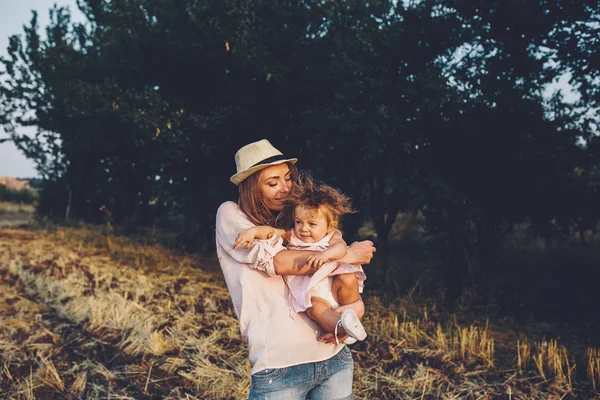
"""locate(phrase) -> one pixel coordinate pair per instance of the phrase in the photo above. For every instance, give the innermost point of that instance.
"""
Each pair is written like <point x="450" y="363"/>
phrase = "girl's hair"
<point x="318" y="196"/>
<point x="252" y="203"/>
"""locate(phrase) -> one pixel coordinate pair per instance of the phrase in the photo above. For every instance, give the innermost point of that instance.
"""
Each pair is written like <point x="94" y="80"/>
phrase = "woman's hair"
<point x="252" y="204"/>
<point x="317" y="196"/>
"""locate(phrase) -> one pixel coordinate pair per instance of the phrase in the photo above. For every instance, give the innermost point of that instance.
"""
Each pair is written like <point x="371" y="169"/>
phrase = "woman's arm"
<point x="230" y="221"/>
<point x="294" y="262"/>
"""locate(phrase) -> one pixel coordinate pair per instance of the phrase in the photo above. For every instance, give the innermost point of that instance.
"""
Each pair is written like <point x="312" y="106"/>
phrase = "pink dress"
<point x="303" y="287"/>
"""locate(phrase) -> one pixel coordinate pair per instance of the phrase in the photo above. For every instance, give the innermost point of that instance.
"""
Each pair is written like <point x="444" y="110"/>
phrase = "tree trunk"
<point x="352" y="222"/>
<point x="68" y="210"/>
<point x="383" y="218"/>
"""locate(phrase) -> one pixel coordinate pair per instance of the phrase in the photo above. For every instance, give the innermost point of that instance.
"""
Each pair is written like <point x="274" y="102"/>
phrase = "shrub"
<point x="27" y="196"/>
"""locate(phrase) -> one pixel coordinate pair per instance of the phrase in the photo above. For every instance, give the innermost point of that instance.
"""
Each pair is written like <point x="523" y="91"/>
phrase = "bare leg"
<point x="322" y="313"/>
<point x="345" y="289"/>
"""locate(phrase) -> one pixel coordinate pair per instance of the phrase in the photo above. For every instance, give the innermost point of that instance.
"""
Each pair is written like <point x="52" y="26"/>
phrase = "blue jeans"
<point x="323" y="380"/>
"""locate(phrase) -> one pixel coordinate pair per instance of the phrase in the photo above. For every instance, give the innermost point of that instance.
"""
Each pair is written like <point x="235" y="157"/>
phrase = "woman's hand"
<point x="360" y="252"/>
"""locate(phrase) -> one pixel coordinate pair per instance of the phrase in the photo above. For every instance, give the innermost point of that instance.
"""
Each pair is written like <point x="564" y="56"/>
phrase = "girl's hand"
<point x="316" y="261"/>
<point x="246" y="236"/>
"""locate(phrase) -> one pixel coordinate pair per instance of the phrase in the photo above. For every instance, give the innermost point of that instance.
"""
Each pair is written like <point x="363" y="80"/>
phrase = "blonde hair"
<point x="317" y="196"/>
<point x="251" y="201"/>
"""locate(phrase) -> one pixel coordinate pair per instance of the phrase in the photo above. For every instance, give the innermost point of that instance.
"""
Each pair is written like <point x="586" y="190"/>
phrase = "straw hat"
<point x="256" y="156"/>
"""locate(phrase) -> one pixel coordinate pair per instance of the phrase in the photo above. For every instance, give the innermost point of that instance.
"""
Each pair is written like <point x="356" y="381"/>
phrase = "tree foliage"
<point x="434" y="105"/>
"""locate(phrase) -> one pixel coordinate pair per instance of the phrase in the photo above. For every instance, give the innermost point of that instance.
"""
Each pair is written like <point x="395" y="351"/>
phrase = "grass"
<point x="86" y="317"/>
<point x="12" y="208"/>
<point x="14" y="211"/>
<point x="15" y="214"/>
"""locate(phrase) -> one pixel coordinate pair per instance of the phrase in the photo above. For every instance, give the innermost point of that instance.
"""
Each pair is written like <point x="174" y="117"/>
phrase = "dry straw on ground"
<point x="138" y="321"/>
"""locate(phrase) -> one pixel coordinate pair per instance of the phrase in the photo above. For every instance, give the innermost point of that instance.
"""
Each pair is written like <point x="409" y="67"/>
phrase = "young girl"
<point x="316" y="211"/>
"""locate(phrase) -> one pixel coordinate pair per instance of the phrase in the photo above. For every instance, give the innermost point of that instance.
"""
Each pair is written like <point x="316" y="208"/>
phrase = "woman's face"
<point x="275" y="183"/>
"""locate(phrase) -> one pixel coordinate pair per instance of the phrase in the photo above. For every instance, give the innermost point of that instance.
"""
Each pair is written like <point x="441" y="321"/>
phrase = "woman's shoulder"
<point x="230" y="213"/>
<point x="229" y="210"/>
<point x="228" y="206"/>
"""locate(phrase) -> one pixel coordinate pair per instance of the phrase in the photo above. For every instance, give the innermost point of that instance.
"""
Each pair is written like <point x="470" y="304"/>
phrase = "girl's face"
<point x="310" y="226"/>
<point x="275" y="183"/>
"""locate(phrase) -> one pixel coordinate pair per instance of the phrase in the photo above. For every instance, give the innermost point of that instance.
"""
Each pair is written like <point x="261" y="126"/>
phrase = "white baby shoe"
<point x="351" y="324"/>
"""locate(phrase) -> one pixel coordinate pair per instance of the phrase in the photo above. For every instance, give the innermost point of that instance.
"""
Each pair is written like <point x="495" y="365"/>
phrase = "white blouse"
<point x="277" y="337"/>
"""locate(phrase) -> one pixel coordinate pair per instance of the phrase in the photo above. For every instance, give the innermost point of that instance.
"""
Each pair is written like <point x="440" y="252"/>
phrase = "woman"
<point x="289" y="356"/>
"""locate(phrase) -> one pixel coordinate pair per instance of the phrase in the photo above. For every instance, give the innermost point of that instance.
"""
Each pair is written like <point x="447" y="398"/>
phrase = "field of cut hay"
<point x="83" y="315"/>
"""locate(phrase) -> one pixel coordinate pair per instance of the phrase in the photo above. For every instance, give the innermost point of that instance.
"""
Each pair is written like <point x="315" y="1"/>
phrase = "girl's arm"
<point x="256" y="232"/>
<point x="337" y="250"/>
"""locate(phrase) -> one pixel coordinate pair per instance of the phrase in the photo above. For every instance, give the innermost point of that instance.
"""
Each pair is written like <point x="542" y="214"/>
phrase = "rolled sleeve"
<point x="267" y="252"/>
<point x="231" y="221"/>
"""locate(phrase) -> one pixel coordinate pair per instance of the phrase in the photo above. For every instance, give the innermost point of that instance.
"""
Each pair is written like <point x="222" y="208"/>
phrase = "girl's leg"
<point x="345" y="289"/>
<point x="338" y="326"/>
<point x="322" y="313"/>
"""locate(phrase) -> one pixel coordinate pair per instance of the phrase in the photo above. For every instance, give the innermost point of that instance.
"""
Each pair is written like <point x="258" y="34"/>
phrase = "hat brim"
<point x="241" y="176"/>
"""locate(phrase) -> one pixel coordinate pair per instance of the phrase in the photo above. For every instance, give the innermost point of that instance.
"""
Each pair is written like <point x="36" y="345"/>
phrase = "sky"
<point x="15" y="13"/>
